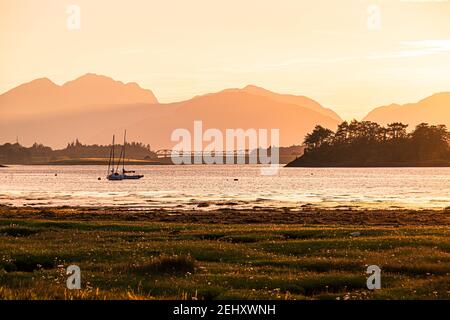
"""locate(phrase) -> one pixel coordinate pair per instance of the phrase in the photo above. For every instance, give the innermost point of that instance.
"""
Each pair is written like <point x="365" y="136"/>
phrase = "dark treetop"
<point x="367" y="144"/>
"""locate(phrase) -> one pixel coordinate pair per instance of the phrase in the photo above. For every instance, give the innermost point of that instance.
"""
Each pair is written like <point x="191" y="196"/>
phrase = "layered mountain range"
<point x="93" y="107"/>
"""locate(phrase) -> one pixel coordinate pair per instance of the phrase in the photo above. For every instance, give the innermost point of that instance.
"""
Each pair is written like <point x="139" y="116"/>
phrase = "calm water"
<point x="187" y="186"/>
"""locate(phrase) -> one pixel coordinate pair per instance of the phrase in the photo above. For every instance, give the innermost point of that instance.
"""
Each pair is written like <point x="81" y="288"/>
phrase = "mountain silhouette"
<point x="93" y="107"/>
<point x="293" y="99"/>
<point x="230" y="109"/>
<point x="91" y="91"/>
<point x="433" y="110"/>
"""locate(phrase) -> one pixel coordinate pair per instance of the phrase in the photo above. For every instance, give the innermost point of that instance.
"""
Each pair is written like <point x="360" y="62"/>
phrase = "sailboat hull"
<point x="115" y="177"/>
<point x="134" y="177"/>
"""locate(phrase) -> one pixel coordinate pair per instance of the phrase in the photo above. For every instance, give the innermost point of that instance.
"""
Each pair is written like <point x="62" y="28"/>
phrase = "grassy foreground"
<point x="166" y="260"/>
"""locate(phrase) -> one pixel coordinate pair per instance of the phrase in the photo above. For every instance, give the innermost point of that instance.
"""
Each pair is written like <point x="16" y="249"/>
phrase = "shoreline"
<point x="282" y="216"/>
<point x="286" y="165"/>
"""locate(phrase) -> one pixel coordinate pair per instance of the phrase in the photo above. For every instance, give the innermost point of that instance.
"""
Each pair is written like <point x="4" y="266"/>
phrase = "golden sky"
<point x="337" y="52"/>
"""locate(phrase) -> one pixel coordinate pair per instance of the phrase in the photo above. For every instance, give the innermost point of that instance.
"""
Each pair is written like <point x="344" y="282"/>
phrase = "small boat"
<point x="113" y="171"/>
<point x="115" y="176"/>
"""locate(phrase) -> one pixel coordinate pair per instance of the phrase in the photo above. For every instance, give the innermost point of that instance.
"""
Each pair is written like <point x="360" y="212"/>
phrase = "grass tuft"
<point x="16" y="231"/>
<point x="27" y="263"/>
<point x="167" y="264"/>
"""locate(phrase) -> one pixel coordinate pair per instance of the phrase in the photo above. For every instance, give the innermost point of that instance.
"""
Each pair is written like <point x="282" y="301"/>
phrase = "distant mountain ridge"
<point x="292" y="99"/>
<point x="42" y="96"/>
<point x="93" y="107"/>
<point x="434" y="109"/>
<point x="233" y="108"/>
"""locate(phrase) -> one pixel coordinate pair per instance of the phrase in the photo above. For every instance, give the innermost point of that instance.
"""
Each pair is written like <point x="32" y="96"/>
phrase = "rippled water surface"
<point x="240" y="186"/>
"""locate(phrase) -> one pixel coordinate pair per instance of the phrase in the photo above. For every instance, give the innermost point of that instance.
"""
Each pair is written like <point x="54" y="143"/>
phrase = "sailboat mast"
<point x="109" y="163"/>
<point x="113" y="153"/>
<point x="124" y="144"/>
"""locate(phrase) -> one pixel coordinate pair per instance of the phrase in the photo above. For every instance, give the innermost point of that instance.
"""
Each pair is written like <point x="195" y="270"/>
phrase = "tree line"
<point x="16" y="153"/>
<point x="366" y="143"/>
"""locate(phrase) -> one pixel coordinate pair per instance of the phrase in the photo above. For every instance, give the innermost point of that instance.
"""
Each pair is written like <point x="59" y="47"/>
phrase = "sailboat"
<point x="113" y="171"/>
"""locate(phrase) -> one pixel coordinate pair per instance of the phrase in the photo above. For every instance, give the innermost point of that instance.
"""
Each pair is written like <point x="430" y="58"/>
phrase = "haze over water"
<point x="184" y="187"/>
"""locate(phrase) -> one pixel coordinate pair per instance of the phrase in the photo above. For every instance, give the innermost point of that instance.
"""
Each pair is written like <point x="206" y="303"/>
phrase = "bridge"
<point x="246" y="156"/>
<point x="167" y="153"/>
<point x="202" y="157"/>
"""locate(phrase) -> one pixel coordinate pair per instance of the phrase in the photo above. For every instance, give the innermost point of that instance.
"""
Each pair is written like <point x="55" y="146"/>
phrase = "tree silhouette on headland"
<point x="366" y="143"/>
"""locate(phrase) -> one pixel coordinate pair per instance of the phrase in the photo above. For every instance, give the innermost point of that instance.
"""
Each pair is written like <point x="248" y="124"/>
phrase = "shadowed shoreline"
<point x="260" y="215"/>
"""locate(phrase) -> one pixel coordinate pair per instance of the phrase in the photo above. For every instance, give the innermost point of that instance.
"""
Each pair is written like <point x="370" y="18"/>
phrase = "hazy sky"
<point x="337" y="52"/>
